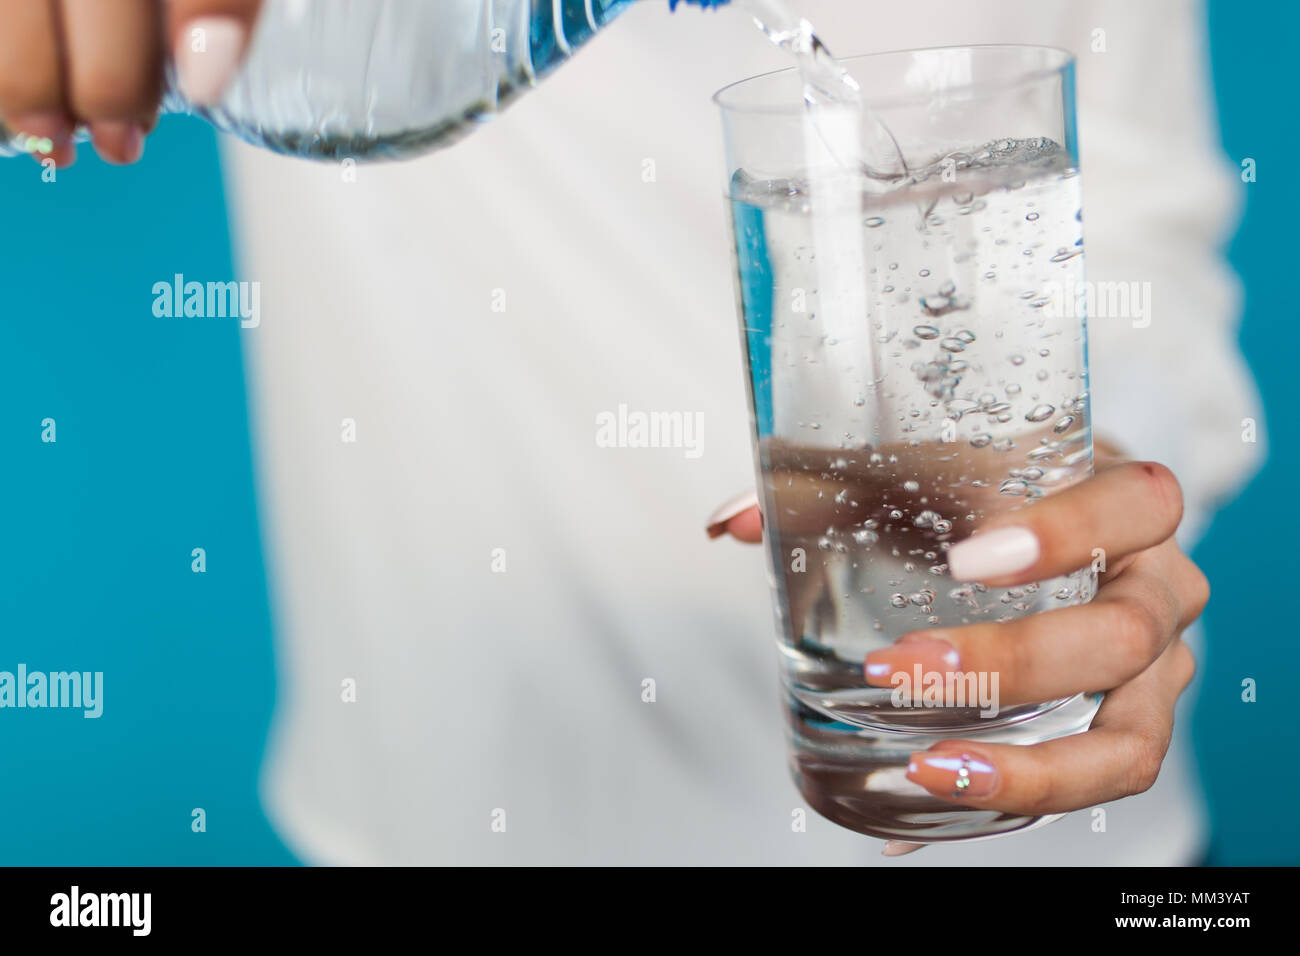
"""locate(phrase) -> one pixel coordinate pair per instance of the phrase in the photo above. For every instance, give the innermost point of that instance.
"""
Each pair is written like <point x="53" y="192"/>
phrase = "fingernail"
<point x="900" y="848"/>
<point x="932" y="653"/>
<point x="118" y="141"/>
<point x="207" y="53"/>
<point x="993" y="554"/>
<point x="717" y="523"/>
<point x="952" y="774"/>
<point x="41" y="134"/>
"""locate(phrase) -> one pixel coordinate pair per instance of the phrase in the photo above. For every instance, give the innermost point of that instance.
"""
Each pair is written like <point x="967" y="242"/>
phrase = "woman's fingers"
<point x="738" y="517"/>
<point x="1120" y="755"/>
<point x="1118" y="511"/>
<point x="1054" y="654"/>
<point x="208" y="39"/>
<point x="31" y="86"/>
<point x="113" y="69"/>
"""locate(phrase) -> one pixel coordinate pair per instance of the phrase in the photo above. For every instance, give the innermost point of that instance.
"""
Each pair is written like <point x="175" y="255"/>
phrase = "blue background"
<point x="153" y="459"/>
<point x="1249" y="753"/>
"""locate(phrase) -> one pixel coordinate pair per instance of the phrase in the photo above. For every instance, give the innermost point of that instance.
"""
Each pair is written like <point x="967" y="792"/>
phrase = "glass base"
<point x="857" y="777"/>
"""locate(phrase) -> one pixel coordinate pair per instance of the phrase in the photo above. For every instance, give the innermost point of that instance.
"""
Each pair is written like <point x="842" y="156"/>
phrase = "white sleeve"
<point x="1161" y="201"/>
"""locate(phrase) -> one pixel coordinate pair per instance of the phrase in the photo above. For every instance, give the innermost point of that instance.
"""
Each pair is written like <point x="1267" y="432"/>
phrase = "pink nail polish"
<point x="118" y="141"/>
<point x="993" y="554"/>
<point x="717" y="522"/>
<point x="207" y="55"/>
<point x="900" y="848"/>
<point x="41" y="134"/>
<point x="133" y="142"/>
<point x="932" y="653"/>
<point x="952" y="774"/>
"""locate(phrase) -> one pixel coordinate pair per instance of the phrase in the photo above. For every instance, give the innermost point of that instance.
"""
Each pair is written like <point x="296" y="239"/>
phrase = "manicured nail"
<point x="900" y="848"/>
<point x="118" y="141"/>
<point x="952" y="774"/>
<point x="39" y="133"/>
<point x="993" y="554"/>
<point x="934" y="654"/>
<point x="207" y="54"/>
<point x="717" y="523"/>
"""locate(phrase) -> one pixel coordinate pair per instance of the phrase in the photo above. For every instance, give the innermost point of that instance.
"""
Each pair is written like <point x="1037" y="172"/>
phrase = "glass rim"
<point x="1067" y="59"/>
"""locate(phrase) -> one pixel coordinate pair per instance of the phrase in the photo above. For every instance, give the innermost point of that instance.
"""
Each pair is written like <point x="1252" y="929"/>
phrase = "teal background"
<point x="153" y="459"/>
<point x="1250" y="753"/>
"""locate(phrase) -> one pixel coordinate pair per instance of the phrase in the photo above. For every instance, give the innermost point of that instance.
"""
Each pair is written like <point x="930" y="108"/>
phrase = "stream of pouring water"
<point x="825" y="84"/>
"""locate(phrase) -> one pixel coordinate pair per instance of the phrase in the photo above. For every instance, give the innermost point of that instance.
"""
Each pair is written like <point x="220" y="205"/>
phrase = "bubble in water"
<point x="1040" y="413"/>
<point x="865" y="537"/>
<point x="1042" y="375"/>
<point x="875" y="222"/>
<point x="1017" y="360"/>
<point x="1063" y="254"/>
<point x="942" y="526"/>
<point x="1013" y="389"/>
<point x="1032" y="217"/>
<point x="912" y="486"/>
<point x="1063" y="425"/>
<point x="953" y="345"/>
<point x="923" y="273"/>
<point x="964" y="335"/>
<point x="980" y="440"/>
<point x="948" y="288"/>
<point x="937" y="305"/>
<point x="898" y="600"/>
<point x="925" y="332"/>
<point x="926" y="519"/>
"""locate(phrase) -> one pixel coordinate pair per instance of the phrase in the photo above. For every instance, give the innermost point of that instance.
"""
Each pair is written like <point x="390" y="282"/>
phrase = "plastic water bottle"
<point x="385" y="79"/>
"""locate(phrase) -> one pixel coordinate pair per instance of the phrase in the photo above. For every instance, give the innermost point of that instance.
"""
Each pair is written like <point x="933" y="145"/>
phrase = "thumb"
<point x="208" y="39"/>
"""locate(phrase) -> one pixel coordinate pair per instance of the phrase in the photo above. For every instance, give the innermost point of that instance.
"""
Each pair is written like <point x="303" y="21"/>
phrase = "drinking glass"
<point x="916" y="365"/>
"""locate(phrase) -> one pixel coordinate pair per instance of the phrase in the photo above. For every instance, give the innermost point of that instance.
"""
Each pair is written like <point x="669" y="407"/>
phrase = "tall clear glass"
<point x="916" y="365"/>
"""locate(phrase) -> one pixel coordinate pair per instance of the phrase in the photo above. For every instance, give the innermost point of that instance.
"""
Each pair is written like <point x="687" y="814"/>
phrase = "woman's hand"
<point x="65" y="63"/>
<point x="1127" y="641"/>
